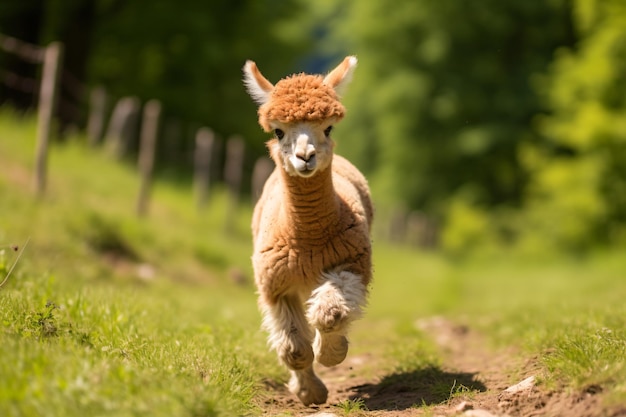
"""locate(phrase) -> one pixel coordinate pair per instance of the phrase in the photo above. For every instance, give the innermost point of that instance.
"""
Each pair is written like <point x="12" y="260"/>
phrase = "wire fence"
<point x="129" y="122"/>
<point x="72" y="92"/>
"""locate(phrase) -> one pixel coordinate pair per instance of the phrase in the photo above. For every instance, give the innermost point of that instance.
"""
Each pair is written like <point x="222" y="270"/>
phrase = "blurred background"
<point x="479" y="127"/>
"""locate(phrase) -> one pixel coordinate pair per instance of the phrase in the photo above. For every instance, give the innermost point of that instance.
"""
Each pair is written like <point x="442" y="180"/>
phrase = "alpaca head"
<point x="301" y="111"/>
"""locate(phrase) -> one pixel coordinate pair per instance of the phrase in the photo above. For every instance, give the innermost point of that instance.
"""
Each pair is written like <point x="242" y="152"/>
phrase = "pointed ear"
<point x="257" y="85"/>
<point x="341" y="76"/>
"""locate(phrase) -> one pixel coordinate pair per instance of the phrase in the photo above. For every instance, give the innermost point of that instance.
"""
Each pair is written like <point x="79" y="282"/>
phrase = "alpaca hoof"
<point x="330" y="349"/>
<point x="330" y="319"/>
<point x="310" y="391"/>
<point x="298" y="358"/>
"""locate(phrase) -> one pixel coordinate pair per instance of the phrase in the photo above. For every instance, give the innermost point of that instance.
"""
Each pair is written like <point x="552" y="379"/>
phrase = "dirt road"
<point x="475" y="381"/>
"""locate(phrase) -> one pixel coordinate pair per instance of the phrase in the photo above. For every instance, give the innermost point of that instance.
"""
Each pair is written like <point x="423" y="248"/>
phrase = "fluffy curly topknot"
<point x="301" y="97"/>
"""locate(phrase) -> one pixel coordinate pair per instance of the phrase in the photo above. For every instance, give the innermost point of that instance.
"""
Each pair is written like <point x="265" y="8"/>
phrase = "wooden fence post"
<point x="263" y="168"/>
<point x="233" y="171"/>
<point x="235" y="149"/>
<point x="97" y="110"/>
<point x="149" y="130"/>
<point x="47" y="100"/>
<point x="122" y="126"/>
<point x="205" y="141"/>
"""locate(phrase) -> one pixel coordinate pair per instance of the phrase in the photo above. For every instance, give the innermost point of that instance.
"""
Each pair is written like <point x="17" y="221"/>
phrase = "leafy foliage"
<point x="448" y="96"/>
<point x="502" y="123"/>
<point x="580" y="181"/>
<point x="191" y="62"/>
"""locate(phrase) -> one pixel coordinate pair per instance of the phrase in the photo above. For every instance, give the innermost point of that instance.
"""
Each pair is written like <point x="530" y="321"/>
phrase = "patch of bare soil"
<point x="485" y="384"/>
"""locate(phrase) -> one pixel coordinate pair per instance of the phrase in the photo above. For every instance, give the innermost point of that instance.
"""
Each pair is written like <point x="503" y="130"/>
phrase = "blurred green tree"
<point x="442" y="99"/>
<point x="188" y="54"/>
<point x="579" y="192"/>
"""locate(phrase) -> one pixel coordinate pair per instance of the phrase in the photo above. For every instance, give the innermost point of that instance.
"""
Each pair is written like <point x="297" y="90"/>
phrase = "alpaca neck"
<point x="311" y="203"/>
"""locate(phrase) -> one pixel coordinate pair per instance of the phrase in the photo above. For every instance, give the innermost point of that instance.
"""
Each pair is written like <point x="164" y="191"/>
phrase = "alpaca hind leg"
<point x="289" y="333"/>
<point x="308" y="387"/>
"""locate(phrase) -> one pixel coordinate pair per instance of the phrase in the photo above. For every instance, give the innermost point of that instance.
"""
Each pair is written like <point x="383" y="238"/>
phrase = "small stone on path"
<point x="463" y="406"/>
<point x="525" y="385"/>
<point x="512" y="394"/>
<point x="478" y="413"/>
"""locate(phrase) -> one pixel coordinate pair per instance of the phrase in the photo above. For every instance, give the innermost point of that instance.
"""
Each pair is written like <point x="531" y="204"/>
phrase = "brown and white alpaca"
<point x="312" y="250"/>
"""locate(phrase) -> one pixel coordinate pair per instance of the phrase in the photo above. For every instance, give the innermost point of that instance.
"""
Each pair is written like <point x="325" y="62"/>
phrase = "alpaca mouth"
<point x="304" y="168"/>
<point x="306" y="171"/>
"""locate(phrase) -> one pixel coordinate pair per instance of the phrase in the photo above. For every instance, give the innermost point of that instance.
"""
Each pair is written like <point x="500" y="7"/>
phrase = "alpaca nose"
<point x="304" y="149"/>
<point x="306" y="155"/>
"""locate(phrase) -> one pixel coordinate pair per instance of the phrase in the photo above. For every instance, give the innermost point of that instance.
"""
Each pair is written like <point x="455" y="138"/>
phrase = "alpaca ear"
<point x="257" y="85"/>
<point x="341" y="76"/>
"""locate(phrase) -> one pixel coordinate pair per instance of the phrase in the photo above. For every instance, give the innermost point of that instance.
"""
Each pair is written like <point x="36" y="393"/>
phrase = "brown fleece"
<point x="300" y="97"/>
<point x="303" y="227"/>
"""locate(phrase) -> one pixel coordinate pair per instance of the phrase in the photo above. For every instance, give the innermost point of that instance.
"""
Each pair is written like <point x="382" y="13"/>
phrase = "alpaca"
<point x="310" y="227"/>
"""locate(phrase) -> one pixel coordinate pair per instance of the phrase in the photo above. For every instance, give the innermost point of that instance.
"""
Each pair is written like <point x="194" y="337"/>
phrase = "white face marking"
<point x="304" y="147"/>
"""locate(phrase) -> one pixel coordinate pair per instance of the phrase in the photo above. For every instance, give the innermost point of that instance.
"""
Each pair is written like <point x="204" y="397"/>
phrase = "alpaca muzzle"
<point x="303" y="159"/>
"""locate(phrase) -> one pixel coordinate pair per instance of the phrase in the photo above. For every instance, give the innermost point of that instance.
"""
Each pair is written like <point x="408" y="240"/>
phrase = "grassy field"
<point x="109" y="314"/>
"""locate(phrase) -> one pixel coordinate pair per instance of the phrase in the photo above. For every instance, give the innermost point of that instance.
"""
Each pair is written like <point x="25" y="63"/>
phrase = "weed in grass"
<point x="459" y="390"/>
<point x="4" y="271"/>
<point x="42" y="323"/>
<point x="352" y="406"/>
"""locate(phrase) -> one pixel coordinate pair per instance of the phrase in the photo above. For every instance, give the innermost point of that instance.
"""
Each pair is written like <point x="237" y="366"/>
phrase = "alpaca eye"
<point x="327" y="130"/>
<point x="279" y="134"/>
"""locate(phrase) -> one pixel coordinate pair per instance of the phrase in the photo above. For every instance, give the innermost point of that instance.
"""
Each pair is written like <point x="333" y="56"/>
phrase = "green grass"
<point x="568" y="313"/>
<point x="352" y="407"/>
<point x="97" y="351"/>
<point x="110" y="314"/>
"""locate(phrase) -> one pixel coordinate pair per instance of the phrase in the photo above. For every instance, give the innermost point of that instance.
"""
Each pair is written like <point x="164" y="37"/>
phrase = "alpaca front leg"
<point x="308" y="387"/>
<point x="337" y="302"/>
<point x="289" y="332"/>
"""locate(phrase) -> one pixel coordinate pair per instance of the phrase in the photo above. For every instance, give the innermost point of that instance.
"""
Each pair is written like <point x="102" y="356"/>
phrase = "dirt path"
<point x="475" y="381"/>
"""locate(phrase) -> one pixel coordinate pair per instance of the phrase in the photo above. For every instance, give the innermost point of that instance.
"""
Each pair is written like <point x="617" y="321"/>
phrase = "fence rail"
<point x="125" y="126"/>
<point x="24" y="50"/>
